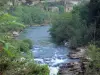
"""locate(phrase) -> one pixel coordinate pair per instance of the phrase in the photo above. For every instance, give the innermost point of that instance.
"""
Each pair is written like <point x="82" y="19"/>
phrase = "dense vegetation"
<point x="38" y="14"/>
<point x="71" y="27"/>
<point x="93" y="67"/>
<point x="9" y="23"/>
<point x="30" y="15"/>
<point x="81" y="27"/>
<point x="16" y="57"/>
<point x="77" y="27"/>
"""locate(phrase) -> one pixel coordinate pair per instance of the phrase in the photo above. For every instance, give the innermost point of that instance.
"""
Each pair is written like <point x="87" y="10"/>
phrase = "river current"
<point x="46" y="52"/>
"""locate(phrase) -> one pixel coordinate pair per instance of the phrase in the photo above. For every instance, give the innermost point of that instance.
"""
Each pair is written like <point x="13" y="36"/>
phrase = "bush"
<point x="14" y="62"/>
<point x="93" y="66"/>
<point x="29" y="42"/>
<point x="94" y="54"/>
<point x="39" y="69"/>
<point x="24" y="47"/>
<point x="18" y="67"/>
<point x="9" y="23"/>
<point x="19" y="64"/>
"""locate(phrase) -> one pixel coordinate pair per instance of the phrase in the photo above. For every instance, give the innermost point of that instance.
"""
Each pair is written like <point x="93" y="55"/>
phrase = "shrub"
<point x="93" y="66"/>
<point x="24" y="47"/>
<point x="9" y="23"/>
<point x="19" y="64"/>
<point x="29" y="42"/>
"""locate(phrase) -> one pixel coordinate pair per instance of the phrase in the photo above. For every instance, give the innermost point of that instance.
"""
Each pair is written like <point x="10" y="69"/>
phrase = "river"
<point x="46" y="52"/>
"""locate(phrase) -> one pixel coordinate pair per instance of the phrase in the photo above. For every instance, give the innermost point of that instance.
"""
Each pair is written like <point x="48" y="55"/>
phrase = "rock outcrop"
<point x="79" y="53"/>
<point x="77" y="67"/>
<point x="15" y="34"/>
<point x="72" y="68"/>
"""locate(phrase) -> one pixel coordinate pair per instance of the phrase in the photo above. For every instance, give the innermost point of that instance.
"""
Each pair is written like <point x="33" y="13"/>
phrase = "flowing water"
<point x="46" y="52"/>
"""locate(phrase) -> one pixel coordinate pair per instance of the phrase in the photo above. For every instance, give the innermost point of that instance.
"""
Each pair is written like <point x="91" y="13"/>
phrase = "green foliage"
<point x="61" y="8"/>
<point x="30" y="14"/>
<point x="94" y="54"/>
<point x="71" y="27"/>
<point x="39" y="69"/>
<point x="94" y="65"/>
<point x="15" y="55"/>
<point x="13" y="47"/>
<point x="94" y="19"/>
<point x="15" y="58"/>
<point x="9" y="23"/>
<point x="81" y="35"/>
<point x="6" y="46"/>
<point x="24" y="47"/>
<point x="60" y="26"/>
<point x="21" y="66"/>
<point x="29" y="42"/>
<point x="3" y="4"/>
<point x="82" y="27"/>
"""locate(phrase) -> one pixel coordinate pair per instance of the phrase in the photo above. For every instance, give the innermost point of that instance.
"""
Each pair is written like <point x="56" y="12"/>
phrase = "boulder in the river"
<point x="54" y="70"/>
<point x="15" y="33"/>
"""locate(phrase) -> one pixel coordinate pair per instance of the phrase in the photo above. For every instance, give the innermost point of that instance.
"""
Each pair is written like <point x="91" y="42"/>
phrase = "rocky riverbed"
<point x="77" y="67"/>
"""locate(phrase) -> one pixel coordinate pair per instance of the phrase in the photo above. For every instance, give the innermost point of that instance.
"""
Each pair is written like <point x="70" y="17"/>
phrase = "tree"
<point x="35" y="16"/>
<point x="94" y="18"/>
<point x="60" y="26"/>
<point x="71" y="27"/>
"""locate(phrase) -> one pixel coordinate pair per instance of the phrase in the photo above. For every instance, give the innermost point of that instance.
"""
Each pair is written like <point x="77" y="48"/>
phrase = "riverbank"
<point x="77" y="67"/>
<point x="57" y="55"/>
<point x="44" y="50"/>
